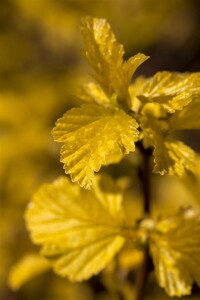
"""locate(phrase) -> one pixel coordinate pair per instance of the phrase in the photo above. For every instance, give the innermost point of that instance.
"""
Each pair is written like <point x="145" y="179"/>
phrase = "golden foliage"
<point x="80" y="231"/>
<point x="105" y="55"/>
<point x="27" y="268"/>
<point x="175" y="248"/>
<point x="172" y="91"/>
<point x="170" y="156"/>
<point x="94" y="136"/>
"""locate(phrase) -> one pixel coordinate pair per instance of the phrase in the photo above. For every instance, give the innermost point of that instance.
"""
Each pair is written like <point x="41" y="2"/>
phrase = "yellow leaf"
<point x="172" y="91"/>
<point x="93" y="136"/>
<point x="170" y="156"/>
<point x="188" y="118"/>
<point x="27" y="268"/>
<point x="123" y="75"/>
<point x="192" y="183"/>
<point x="136" y="89"/>
<point x="91" y="92"/>
<point x="105" y="55"/>
<point x="175" y="247"/>
<point x="102" y="51"/>
<point x="80" y="231"/>
<point x="130" y="258"/>
<point x="173" y="157"/>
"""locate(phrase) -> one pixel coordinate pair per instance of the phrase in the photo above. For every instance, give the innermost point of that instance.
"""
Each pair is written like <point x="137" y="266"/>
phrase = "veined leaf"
<point x="102" y="51"/>
<point x="188" y="118"/>
<point x="93" y="136"/>
<point x="123" y="75"/>
<point x="29" y="267"/>
<point x="170" y="156"/>
<point x="172" y="91"/>
<point x="105" y="55"/>
<point x="175" y="248"/>
<point x="91" y="92"/>
<point x="80" y="231"/>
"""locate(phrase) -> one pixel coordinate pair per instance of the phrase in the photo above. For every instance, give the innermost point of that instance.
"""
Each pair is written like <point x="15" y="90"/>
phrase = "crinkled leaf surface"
<point x="105" y="55"/>
<point x="122" y="77"/>
<point x="170" y="156"/>
<point x="79" y="230"/>
<point x="188" y="118"/>
<point x="93" y="136"/>
<point x="171" y="90"/>
<point x="102" y="51"/>
<point x="175" y="248"/>
<point x="27" y="268"/>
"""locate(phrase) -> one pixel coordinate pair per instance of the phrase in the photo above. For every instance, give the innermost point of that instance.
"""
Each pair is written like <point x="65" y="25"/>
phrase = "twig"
<point x="144" y="175"/>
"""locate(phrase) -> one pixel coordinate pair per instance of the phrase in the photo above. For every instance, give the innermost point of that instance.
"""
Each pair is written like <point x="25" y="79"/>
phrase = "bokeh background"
<point x="40" y="67"/>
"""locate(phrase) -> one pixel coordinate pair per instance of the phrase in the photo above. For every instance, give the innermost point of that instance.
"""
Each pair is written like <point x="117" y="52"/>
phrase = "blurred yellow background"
<point x="40" y="66"/>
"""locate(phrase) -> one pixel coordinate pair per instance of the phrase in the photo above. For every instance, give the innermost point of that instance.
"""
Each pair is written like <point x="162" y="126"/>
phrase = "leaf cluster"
<point x="82" y="227"/>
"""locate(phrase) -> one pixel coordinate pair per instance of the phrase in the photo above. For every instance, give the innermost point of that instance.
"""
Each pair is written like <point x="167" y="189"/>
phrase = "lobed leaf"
<point x="170" y="156"/>
<point x="122" y="77"/>
<point x="27" y="268"/>
<point x="93" y="136"/>
<point x="102" y="51"/>
<point x="171" y="90"/>
<point x="105" y="55"/>
<point x="79" y="231"/>
<point x="175" y="248"/>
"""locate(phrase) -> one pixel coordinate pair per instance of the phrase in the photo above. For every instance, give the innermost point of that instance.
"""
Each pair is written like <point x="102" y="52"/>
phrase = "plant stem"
<point x="142" y="276"/>
<point x="145" y="181"/>
<point x="144" y="175"/>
